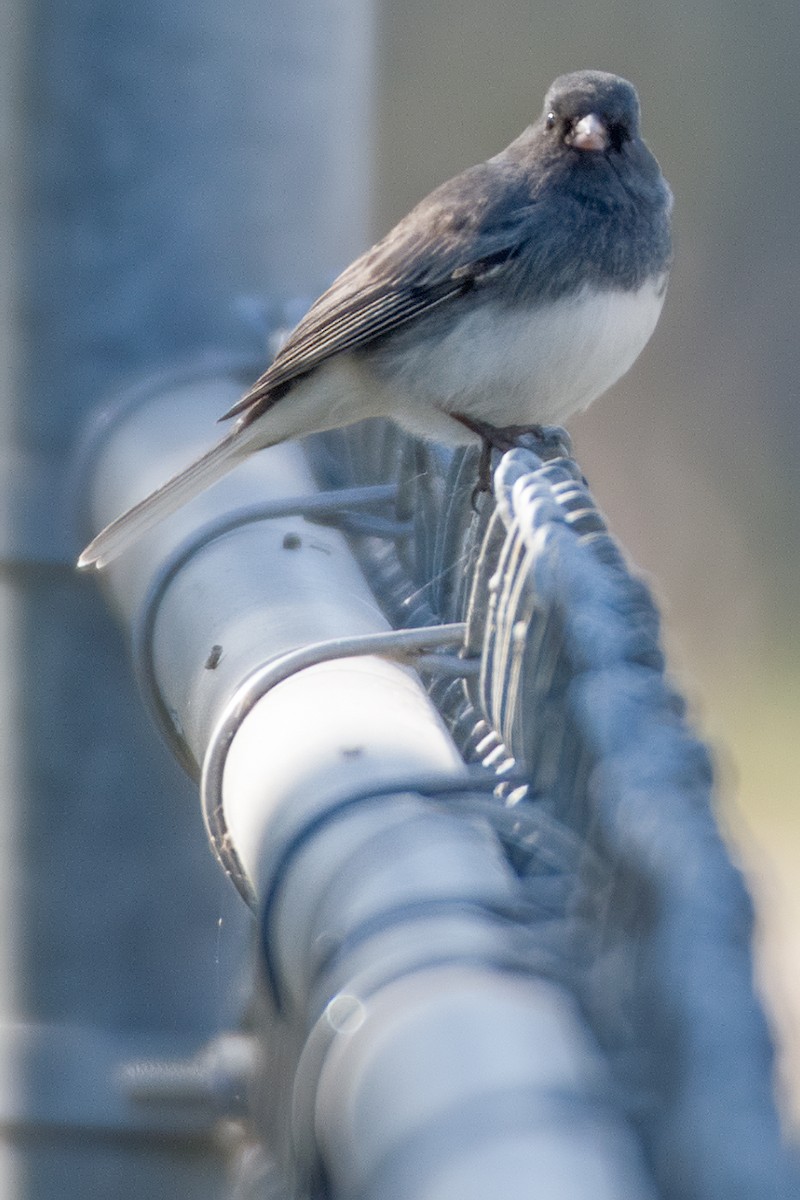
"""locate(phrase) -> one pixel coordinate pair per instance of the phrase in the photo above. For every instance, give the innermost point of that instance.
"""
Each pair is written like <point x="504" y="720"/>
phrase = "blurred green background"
<point x="693" y="456"/>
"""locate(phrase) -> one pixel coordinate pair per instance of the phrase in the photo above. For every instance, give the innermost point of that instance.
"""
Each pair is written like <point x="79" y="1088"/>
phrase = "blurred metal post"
<point x="160" y="166"/>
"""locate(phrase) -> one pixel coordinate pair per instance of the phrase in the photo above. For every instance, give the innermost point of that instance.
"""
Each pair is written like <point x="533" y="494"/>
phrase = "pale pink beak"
<point x="589" y="134"/>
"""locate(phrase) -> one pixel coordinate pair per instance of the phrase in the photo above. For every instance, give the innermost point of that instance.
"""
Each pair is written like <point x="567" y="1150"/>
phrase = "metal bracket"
<point x="469" y="783"/>
<point x="405" y="645"/>
<point x="315" y="506"/>
<point x="80" y="1078"/>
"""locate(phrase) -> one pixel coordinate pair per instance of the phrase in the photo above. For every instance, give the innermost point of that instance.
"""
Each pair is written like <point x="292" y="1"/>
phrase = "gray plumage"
<point x="513" y="294"/>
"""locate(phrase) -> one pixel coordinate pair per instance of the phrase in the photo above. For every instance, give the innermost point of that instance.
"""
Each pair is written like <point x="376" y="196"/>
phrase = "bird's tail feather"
<point x="165" y="500"/>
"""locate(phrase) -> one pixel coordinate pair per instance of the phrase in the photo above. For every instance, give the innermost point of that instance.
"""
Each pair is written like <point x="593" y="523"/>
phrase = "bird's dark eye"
<point x="550" y="120"/>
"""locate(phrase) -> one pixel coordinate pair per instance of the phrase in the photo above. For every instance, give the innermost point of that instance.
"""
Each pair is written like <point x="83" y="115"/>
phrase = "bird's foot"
<point x="491" y="436"/>
<point x="548" y="441"/>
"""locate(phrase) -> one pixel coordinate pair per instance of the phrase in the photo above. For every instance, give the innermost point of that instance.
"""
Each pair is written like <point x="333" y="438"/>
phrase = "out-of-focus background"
<point x="694" y="456"/>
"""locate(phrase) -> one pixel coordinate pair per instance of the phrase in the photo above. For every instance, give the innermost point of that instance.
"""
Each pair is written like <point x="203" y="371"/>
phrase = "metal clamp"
<point x="405" y="645"/>
<point x="472" y="781"/>
<point x="320" y="504"/>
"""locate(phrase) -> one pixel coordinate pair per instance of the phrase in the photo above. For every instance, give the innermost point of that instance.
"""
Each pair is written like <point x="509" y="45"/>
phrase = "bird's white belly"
<point x="508" y="367"/>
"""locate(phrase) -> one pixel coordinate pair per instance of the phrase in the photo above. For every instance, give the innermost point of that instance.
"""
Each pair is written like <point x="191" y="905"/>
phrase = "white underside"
<point x="497" y="365"/>
<point x="509" y="368"/>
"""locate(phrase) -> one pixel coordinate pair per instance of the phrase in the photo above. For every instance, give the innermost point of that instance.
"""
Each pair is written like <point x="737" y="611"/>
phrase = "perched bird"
<point x="512" y="296"/>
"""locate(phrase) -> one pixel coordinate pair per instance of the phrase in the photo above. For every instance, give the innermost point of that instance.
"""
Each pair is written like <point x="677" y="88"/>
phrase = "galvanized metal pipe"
<point x="388" y="920"/>
<point x="215" y="593"/>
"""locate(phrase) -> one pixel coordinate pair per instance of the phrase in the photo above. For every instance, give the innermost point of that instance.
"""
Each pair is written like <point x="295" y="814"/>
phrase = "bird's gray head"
<point x="591" y="111"/>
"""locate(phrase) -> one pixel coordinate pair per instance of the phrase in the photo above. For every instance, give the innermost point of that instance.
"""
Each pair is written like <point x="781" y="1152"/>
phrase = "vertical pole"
<point x="11" y="785"/>
<point x="161" y="164"/>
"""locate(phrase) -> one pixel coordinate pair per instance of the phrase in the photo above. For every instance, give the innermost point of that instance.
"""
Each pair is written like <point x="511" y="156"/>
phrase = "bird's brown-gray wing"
<point x="446" y="246"/>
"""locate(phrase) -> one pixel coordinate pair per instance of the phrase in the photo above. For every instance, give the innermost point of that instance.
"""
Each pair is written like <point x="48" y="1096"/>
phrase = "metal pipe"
<point x="527" y="1111"/>
<point x="389" y="921"/>
<point x="239" y="577"/>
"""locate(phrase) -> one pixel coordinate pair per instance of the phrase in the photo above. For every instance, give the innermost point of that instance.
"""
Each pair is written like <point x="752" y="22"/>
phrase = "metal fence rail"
<point x="503" y="944"/>
<point x="612" y="831"/>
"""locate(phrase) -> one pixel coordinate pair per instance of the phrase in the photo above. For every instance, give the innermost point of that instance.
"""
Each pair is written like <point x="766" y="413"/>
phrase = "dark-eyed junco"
<point x="512" y="296"/>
